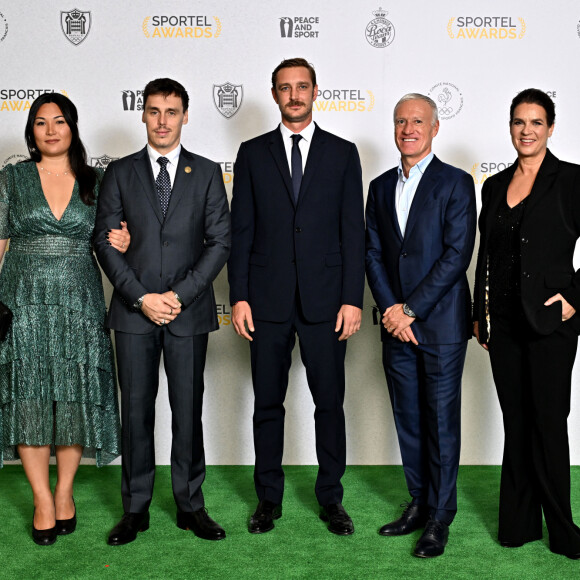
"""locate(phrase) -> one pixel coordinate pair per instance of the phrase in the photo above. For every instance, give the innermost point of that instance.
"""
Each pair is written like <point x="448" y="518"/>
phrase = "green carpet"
<point x="299" y="546"/>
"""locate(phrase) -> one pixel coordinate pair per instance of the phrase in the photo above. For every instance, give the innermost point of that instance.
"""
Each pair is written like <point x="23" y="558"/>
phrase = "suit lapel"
<point x="390" y="194"/>
<point x="142" y="167"/>
<point x="183" y="180"/>
<point x="543" y="182"/>
<point x="315" y="153"/>
<point x="424" y="190"/>
<point x="279" y="153"/>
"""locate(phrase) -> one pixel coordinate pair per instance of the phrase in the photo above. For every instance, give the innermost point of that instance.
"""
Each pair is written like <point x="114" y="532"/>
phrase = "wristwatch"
<point x="408" y="311"/>
<point x="139" y="303"/>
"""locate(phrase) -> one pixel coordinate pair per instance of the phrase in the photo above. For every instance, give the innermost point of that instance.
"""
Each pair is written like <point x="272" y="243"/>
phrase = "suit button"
<point x="404" y="255"/>
<point x="526" y="274"/>
<point x="298" y="230"/>
<point x="293" y="261"/>
<point x="165" y="244"/>
<point x="524" y="240"/>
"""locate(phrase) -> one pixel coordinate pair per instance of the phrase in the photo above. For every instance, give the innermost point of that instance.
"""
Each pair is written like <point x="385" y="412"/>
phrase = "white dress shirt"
<point x="172" y="156"/>
<point x="406" y="189"/>
<point x="303" y="144"/>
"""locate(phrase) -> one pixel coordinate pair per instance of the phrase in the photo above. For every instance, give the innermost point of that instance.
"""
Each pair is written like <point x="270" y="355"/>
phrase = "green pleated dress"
<point x="57" y="381"/>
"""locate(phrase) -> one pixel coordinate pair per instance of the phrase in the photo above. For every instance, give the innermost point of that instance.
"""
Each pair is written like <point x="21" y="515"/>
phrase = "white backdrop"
<point x="471" y="57"/>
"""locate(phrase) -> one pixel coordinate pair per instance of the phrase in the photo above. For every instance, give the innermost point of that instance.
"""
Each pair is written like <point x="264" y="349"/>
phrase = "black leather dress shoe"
<point x="65" y="527"/>
<point x="433" y="540"/>
<point x="200" y="524"/>
<point x="339" y="521"/>
<point x="263" y="518"/>
<point x="414" y="517"/>
<point x="43" y="537"/>
<point x="511" y="544"/>
<point x="126" y="530"/>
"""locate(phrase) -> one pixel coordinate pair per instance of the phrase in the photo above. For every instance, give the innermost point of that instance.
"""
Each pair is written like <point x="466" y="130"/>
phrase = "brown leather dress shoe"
<point x="200" y="524"/>
<point x="262" y="520"/>
<point x="414" y="516"/>
<point x="339" y="521"/>
<point x="126" y="530"/>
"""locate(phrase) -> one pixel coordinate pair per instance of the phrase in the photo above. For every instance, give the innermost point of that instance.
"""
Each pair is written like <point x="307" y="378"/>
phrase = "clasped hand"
<point x="398" y="324"/>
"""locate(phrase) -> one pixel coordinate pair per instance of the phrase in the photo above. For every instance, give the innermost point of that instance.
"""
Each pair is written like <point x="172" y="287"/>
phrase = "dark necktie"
<point x="163" y="183"/>
<point x="296" y="166"/>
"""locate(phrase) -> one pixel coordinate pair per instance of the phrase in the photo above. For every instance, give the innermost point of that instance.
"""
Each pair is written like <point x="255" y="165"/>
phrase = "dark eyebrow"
<point x="44" y="119"/>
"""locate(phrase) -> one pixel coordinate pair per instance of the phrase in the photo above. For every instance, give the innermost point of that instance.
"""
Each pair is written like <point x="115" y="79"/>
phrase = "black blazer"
<point x="549" y="230"/>
<point x="183" y="252"/>
<point x="315" y="247"/>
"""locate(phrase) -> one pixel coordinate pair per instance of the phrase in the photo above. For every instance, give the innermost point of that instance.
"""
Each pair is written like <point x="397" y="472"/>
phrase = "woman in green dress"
<point x="57" y="382"/>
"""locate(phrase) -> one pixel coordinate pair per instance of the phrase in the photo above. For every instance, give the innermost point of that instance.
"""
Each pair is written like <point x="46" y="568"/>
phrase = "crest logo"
<point x="3" y="27"/>
<point x="103" y="161"/>
<point x="228" y="98"/>
<point x="380" y="32"/>
<point x="76" y="25"/>
<point x="448" y="98"/>
<point x="13" y="160"/>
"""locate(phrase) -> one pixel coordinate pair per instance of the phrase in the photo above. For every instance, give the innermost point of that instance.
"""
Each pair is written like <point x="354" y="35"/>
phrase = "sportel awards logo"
<point x="227" y="98"/>
<point x="227" y="171"/>
<point x="344" y="100"/>
<point x="224" y="314"/>
<point x="481" y="171"/>
<point x="3" y="27"/>
<point x="175" y="26"/>
<point x="448" y="98"/>
<point x="132" y="100"/>
<point x="13" y="160"/>
<point x="380" y="32"/>
<point x="19" y="100"/>
<point x="299" y="26"/>
<point x="103" y="161"/>
<point x="486" y="28"/>
<point x="75" y="25"/>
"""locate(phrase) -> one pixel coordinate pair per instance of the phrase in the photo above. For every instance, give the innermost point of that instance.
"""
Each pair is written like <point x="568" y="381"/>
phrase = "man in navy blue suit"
<point x="421" y="219"/>
<point x="297" y="268"/>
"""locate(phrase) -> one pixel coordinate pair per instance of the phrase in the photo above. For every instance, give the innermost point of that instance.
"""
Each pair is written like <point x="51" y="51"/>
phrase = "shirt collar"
<point x="306" y="133"/>
<point x="172" y="156"/>
<point x="421" y="166"/>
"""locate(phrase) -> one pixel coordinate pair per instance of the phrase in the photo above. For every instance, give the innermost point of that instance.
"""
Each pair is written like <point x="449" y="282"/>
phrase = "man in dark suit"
<point x="420" y="234"/>
<point x="163" y="301"/>
<point x="297" y="267"/>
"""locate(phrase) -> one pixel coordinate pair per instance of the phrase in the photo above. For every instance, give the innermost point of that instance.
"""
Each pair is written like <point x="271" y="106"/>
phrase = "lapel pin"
<point x="187" y="169"/>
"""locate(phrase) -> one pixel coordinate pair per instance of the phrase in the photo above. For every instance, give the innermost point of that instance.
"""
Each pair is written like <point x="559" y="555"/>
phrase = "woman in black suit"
<point x="525" y="301"/>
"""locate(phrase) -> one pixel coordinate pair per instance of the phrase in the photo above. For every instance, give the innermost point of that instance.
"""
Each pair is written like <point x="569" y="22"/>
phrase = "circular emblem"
<point x="3" y="27"/>
<point x="448" y="98"/>
<point x="380" y="32"/>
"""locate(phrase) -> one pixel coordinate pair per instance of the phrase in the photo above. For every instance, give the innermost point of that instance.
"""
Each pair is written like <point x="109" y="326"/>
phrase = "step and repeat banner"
<point x="470" y="57"/>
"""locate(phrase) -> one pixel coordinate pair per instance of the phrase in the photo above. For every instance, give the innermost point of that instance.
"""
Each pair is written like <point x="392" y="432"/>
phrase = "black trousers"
<point x="138" y="357"/>
<point x="533" y="375"/>
<point x="323" y="356"/>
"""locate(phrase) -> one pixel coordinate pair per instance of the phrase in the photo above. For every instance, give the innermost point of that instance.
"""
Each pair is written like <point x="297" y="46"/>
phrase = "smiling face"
<point x="529" y="130"/>
<point x="164" y="118"/>
<point x="414" y="131"/>
<point x="294" y="95"/>
<point x="51" y="132"/>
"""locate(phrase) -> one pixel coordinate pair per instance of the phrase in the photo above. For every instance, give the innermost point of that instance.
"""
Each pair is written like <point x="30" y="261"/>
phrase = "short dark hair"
<point x="166" y="87"/>
<point x="291" y="63"/>
<point x="77" y="154"/>
<point x="535" y="97"/>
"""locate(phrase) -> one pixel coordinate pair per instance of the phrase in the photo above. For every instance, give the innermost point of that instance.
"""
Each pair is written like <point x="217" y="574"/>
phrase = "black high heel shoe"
<point x="43" y="537"/>
<point x="65" y="527"/>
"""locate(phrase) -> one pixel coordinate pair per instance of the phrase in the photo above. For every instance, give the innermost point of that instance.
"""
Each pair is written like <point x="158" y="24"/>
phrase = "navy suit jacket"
<point x="427" y="267"/>
<point x="315" y="248"/>
<point x="183" y="252"/>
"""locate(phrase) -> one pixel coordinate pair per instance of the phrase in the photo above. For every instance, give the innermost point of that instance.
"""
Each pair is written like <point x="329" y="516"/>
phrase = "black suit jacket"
<point x="549" y="230"/>
<point x="183" y="252"/>
<point x="315" y="247"/>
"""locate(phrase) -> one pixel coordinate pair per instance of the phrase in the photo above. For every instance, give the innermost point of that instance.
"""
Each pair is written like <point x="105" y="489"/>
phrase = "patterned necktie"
<point x="296" y="166"/>
<point x="163" y="183"/>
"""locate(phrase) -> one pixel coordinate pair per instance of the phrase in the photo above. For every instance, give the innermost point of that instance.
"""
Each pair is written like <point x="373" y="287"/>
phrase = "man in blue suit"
<point x="297" y="268"/>
<point x="421" y="219"/>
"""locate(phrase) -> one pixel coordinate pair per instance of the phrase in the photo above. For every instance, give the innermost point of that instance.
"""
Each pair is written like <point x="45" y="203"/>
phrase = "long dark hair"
<point x="535" y="97"/>
<point x="77" y="155"/>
